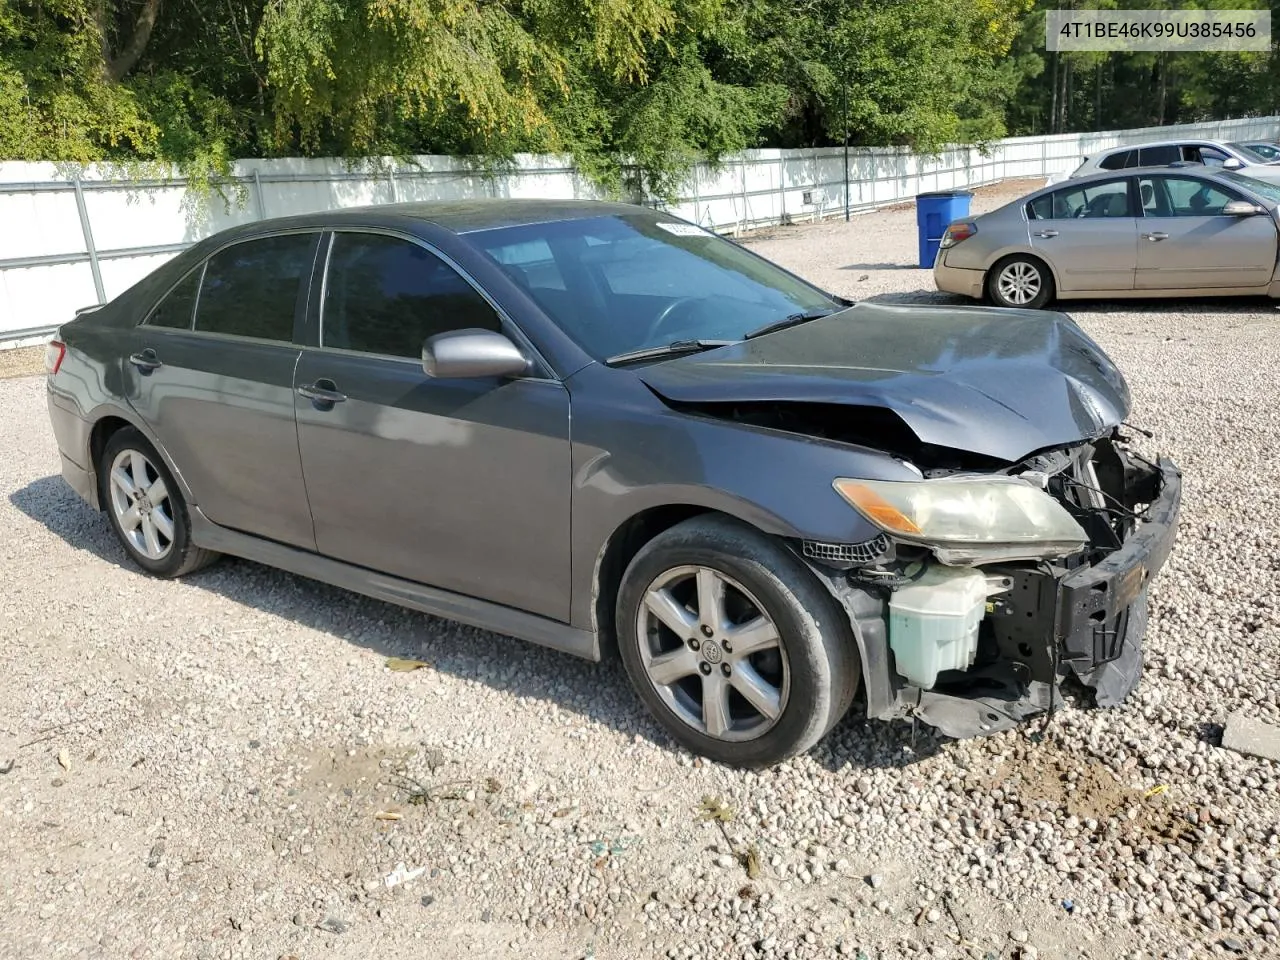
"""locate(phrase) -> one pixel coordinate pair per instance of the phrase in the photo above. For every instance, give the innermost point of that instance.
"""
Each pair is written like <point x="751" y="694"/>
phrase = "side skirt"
<point x="439" y="603"/>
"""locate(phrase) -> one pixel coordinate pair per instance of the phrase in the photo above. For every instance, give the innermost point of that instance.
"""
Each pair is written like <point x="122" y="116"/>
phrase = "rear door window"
<point x="387" y="296"/>
<point x="1159" y="156"/>
<point x="178" y="306"/>
<point x="1097" y="200"/>
<point x="250" y="289"/>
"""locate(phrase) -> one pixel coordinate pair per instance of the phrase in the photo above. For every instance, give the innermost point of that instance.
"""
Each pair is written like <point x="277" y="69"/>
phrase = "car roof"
<point x="464" y="216"/>
<point x="1195" y="170"/>
<point x="1164" y="143"/>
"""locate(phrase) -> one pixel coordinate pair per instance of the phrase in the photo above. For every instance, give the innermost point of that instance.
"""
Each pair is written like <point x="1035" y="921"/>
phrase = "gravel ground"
<point x="225" y="766"/>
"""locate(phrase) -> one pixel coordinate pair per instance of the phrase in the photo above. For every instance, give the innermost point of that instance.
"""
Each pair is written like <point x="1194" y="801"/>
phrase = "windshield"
<point x="1257" y="152"/>
<point x="1268" y="191"/>
<point x="622" y="283"/>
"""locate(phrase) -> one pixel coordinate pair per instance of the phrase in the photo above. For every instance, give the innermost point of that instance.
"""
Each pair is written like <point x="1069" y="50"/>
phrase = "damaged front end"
<point x="986" y="590"/>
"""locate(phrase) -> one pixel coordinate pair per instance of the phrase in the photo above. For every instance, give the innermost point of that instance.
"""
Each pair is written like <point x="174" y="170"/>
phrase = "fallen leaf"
<point x="386" y="815"/>
<point x="404" y="665"/>
<point x="64" y="759"/>
<point x="713" y="808"/>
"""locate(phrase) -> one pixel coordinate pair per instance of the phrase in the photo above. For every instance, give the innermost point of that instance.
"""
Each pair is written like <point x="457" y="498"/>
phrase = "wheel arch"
<point x="1031" y="254"/>
<point x="106" y="422"/>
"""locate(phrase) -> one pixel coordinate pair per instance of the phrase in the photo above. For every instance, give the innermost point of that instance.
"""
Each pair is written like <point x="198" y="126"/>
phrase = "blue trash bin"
<point x="934" y="212"/>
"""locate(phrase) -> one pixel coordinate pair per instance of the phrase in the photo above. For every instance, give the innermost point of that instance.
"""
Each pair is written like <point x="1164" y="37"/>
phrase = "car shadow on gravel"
<point x="598" y="692"/>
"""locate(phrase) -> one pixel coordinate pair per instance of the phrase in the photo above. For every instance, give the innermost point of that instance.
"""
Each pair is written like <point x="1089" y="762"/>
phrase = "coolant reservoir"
<point x="933" y="622"/>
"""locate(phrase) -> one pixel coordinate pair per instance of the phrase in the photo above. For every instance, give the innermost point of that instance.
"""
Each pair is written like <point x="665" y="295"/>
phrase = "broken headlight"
<point x="967" y="520"/>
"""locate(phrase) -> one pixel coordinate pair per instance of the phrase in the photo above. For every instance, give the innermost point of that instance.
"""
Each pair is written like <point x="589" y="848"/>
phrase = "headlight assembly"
<point x="968" y="520"/>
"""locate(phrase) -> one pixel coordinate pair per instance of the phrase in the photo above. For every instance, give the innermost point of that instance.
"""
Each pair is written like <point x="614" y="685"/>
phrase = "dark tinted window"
<point x="1109" y="199"/>
<point x="1159" y="156"/>
<point x="1118" y="161"/>
<point x="387" y="295"/>
<point x="250" y="289"/>
<point x="176" y="308"/>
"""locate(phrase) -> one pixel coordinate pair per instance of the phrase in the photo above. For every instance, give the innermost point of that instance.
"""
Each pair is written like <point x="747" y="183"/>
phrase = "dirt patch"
<point x="22" y="362"/>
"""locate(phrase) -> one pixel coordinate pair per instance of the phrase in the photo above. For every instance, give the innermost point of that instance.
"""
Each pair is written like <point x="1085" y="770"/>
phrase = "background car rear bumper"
<point x="967" y="283"/>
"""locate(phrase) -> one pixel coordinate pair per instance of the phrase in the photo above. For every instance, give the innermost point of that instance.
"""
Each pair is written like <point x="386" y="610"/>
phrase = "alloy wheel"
<point x="712" y="653"/>
<point x="1019" y="283"/>
<point x="141" y="504"/>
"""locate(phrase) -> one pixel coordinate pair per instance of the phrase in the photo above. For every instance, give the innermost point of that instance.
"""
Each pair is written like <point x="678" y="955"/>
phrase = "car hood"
<point x="998" y="383"/>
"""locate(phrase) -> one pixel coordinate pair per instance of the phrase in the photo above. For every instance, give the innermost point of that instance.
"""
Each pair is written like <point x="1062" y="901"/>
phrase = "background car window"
<point x="1120" y="160"/>
<point x="1211" y="156"/>
<point x="386" y="295"/>
<point x="1110" y="199"/>
<point x="1182" y="197"/>
<point x="176" y="308"/>
<point x="250" y="289"/>
<point x="1159" y="156"/>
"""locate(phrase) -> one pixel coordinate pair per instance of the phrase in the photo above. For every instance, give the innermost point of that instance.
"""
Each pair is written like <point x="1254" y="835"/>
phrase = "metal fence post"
<point x="258" y="200"/>
<point x="88" y="243"/>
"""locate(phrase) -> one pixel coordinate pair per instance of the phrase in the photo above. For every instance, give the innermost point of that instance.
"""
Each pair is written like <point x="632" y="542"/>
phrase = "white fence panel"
<point x="67" y="243"/>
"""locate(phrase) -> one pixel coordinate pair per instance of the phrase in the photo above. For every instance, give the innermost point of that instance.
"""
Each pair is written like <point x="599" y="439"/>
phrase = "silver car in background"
<point x="1162" y="153"/>
<point x="1147" y="232"/>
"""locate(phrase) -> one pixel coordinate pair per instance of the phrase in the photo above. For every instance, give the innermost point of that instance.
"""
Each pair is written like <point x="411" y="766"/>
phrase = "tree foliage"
<point x="634" y="90"/>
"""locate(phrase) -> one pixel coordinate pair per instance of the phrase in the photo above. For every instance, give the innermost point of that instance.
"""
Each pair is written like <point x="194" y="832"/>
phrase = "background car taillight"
<point x="53" y="354"/>
<point x="957" y="232"/>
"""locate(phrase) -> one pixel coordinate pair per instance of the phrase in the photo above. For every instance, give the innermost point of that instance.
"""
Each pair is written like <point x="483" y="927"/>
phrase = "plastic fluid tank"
<point x="933" y="622"/>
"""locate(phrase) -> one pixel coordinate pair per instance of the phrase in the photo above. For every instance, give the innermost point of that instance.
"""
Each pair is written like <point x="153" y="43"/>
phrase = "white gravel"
<point x="230" y="741"/>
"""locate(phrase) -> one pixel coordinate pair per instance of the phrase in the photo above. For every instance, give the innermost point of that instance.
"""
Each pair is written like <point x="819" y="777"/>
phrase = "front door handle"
<point x="1155" y="237"/>
<point x="146" y="361"/>
<point x="323" y="393"/>
<point x="1047" y="234"/>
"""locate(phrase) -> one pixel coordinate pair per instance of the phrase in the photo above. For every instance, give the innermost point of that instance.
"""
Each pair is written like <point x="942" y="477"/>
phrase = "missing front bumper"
<point x="1089" y="623"/>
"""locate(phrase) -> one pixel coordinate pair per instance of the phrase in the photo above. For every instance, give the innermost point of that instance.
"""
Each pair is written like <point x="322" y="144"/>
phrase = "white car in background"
<point x="1211" y="153"/>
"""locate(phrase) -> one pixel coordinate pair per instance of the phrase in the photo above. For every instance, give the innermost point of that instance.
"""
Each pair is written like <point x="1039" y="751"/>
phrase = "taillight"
<point x="53" y="354"/>
<point x="957" y="232"/>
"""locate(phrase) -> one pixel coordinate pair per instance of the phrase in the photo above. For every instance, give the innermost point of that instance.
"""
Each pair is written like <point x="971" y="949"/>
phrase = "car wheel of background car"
<point x="733" y="644"/>
<point x="1020" y="281"/>
<point x="146" y="507"/>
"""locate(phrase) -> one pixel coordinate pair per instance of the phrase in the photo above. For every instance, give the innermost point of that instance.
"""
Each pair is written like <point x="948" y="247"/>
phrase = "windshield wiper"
<point x="794" y="320"/>
<point x="668" y="349"/>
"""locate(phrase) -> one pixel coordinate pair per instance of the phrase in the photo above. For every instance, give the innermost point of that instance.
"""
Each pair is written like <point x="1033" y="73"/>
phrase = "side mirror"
<point x="1233" y="163"/>
<point x="462" y="354"/>
<point x="1240" y="208"/>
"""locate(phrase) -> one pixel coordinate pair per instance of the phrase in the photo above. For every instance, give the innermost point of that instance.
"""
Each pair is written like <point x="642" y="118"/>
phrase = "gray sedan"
<point x="597" y="427"/>
<point x="1155" y="232"/>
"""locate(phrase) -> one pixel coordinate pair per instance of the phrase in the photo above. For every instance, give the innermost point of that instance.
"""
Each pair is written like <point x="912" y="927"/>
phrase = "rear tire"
<point x="146" y="507"/>
<point x="1020" y="281"/>
<point x="733" y="645"/>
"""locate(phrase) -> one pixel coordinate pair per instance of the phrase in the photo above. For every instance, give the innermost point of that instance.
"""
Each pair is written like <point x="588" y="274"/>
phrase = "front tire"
<point x="146" y="507"/>
<point x="1020" y="281"/>
<point x="733" y="645"/>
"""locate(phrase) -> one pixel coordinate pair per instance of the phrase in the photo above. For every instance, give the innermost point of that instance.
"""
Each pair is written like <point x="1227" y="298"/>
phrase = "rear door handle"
<point x="323" y="393"/>
<point x="1047" y="234"/>
<point x="146" y="361"/>
<point x="1155" y="237"/>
